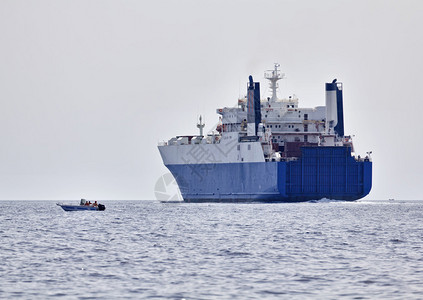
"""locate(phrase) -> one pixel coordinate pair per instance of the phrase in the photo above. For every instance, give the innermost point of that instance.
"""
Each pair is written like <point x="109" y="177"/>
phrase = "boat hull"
<point x="78" y="207"/>
<point x="320" y="172"/>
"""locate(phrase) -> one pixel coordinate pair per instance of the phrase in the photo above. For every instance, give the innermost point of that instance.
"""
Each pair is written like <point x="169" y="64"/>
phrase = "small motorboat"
<point x="83" y="205"/>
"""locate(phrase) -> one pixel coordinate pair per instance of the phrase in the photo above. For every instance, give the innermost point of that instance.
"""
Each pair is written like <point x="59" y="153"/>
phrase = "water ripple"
<point x="361" y="250"/>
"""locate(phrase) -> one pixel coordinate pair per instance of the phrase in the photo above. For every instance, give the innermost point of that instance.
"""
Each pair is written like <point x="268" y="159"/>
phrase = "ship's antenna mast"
<point x="274" y="75"/>
<point x="201" y="125"/>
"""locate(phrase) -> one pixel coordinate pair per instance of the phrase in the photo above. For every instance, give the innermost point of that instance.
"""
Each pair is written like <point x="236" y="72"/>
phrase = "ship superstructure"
<point x="270" y="150"/>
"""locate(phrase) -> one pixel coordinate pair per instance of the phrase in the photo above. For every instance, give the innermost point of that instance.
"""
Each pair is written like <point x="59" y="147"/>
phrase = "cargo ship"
<point x="270" y="150"/>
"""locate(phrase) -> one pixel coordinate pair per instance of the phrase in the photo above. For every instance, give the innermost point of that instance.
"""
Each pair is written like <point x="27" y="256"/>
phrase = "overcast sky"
<point x="88" y="88"/>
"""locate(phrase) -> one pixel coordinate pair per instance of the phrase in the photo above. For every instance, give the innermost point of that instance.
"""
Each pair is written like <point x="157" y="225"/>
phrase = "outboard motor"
<point x="101" y="207"/>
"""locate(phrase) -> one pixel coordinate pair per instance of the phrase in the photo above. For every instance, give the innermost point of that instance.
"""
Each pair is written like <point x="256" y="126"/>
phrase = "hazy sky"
<point x="88" y="88"/>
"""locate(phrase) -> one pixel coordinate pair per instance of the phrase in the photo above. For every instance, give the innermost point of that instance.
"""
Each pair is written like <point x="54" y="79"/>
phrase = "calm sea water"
<point x="148" y="249"/>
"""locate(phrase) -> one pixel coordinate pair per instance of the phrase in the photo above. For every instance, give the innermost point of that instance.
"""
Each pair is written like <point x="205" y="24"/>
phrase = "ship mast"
<point x="201" y="125"/>
<point x="273" y="76"/>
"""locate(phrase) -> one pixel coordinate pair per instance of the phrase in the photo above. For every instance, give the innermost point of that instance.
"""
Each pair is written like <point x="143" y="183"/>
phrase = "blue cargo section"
<point x="229" y="182"/>
<point x="328" y="172"/>
<point x="321" y="172"/>
<point x="367" y="177"/>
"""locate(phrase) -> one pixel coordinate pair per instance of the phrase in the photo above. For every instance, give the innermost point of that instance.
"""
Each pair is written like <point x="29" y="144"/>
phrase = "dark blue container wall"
<point x="328" y="172"/>
<point x="367" y="177"/>
<point x="322" y="172"/>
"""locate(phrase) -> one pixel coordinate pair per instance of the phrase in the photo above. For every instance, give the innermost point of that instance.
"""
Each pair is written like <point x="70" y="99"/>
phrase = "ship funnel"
<point x="334" y="108"/>
<point x="253" y="107"/>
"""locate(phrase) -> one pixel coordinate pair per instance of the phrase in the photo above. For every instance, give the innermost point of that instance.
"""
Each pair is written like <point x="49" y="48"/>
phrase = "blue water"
<point x="147" y="249"/>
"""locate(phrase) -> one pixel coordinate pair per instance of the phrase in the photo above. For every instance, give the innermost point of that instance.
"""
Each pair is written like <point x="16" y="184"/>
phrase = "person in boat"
<point x="95" y="203"/>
